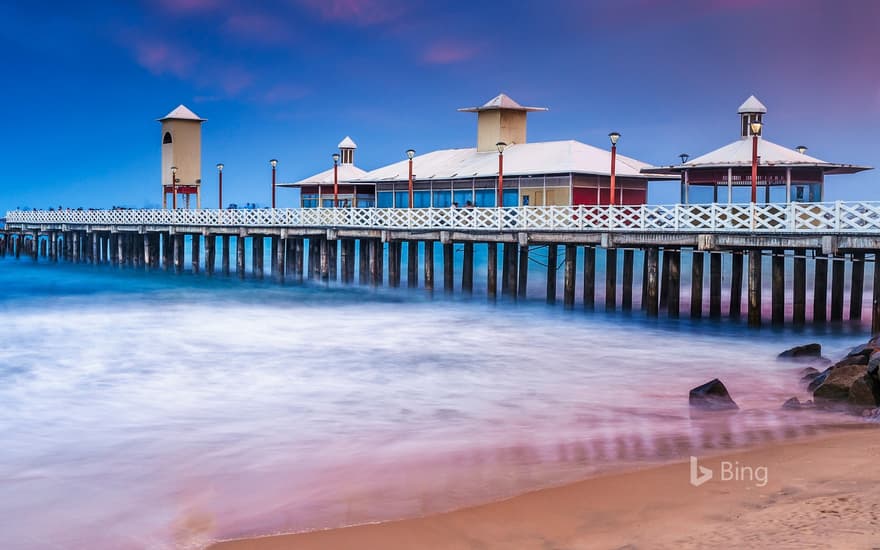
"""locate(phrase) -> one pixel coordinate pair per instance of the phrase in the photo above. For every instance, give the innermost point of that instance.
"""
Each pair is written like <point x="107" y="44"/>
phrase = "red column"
<point x="613" y="175"/>
<point x="273" y="187"/>
<point x="220" y="191"/>
<point x="410" y="184"/>
<point x="335" y="184"/>
<point x="500" y="179"/>
<point x="755" y="168"/>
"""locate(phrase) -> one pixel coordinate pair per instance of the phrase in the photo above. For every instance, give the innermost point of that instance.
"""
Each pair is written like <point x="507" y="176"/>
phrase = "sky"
<point x="84" y="82"/>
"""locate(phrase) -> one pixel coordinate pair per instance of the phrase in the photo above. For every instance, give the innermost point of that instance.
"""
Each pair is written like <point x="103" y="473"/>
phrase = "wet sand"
<point x="820" y="493"/>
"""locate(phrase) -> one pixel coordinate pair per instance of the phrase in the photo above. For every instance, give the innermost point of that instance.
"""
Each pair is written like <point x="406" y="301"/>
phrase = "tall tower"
<point x="751" y="110"/>
<point x="182" y="149"/>
<point x="500" y="119"/>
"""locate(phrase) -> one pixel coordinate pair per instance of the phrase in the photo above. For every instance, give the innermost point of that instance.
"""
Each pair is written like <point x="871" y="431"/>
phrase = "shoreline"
<point x="826" y="479"/>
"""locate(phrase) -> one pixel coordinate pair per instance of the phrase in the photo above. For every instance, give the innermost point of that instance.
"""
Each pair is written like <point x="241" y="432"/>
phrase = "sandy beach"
<point x="819" y="493"/>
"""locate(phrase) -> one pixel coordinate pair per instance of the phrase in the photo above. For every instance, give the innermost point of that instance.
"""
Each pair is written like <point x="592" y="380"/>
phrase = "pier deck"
<point x="329" y="241"/>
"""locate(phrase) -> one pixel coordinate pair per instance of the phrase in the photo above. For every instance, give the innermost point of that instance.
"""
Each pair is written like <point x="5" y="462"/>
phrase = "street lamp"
<point x="684" y="157"/>
<point x="801" y="149"/>
<point x="335" y="180"/>
<point x="501" y="147"/>
<point x="613" y="136"/>
<point x="410" y="153"/>
<point x="274" y="163"/>
<point x="174" y="187"/>
<point x="220" y="185"/>
<point x="755" y="127"/>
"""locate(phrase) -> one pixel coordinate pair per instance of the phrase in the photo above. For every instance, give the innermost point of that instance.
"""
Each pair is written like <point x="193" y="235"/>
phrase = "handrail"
<point x="836" y="217"/>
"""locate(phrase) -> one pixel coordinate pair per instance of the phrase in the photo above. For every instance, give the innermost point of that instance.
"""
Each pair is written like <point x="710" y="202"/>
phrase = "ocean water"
<point x="159" y="411"/>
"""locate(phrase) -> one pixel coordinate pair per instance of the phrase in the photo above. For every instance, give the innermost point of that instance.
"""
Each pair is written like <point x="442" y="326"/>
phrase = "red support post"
<point x="500" y="179"/>
<point x="410" y="183"/>
<point x="754" y="167"/>
<point x="613" y="175"/>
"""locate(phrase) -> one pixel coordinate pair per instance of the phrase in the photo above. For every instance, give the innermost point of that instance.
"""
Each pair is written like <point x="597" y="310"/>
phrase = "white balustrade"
<point x="838" y="217"/>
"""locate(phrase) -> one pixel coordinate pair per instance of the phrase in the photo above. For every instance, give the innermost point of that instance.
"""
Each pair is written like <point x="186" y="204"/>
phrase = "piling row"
<point x="365" y="261"/>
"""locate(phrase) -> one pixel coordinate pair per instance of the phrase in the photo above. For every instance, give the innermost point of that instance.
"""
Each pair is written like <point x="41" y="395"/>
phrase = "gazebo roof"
<point x="347" y="173"/>
<point x="521" y="159"/>
<point x="752" y="105"/>
<point x="182" y="112"/>
<point x="501" y="101"/>
<point x="347" y="143"/>
<point x="739" y="154"/>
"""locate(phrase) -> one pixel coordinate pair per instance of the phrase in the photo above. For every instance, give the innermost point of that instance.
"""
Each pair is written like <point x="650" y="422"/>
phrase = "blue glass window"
<point x="401" y="199"/>
<point x="510" y="197"/>
<point x="442" y="199"/>
<point x="385" y="199"/>
<point x="421" y="199"/>
<point x="462" y="197"/>
<point x="485" y="197"/>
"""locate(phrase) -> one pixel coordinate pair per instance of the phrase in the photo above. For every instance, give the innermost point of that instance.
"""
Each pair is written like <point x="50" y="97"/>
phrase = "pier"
<point x="726" y="244"/>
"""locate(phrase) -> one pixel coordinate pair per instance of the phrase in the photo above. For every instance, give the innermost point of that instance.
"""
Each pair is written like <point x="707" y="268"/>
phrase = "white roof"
<point x="501" y="101"/>
<point x="752" y="105"/>
<point x="347" y="143"/>
<point x="347" y="173"/>
<point x="522" y="159"/>
<point x="739" y="154"/>
<point x="182" y="113"/>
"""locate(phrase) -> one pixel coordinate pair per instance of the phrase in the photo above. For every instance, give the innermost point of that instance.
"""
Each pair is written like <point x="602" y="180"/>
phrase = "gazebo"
<point x="317" y="191"/>
<point x="728" y="170"/>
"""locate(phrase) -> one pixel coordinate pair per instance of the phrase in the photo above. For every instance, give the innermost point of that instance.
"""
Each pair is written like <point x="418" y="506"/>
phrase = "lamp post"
<point x="274" y="163"/>
<point x="335" y="180"/>
<point x="755" y="127"/>
<point x="220" y="185"/>
<point x="174" y="187"/>
<point x="410" y="153"/>
<point x="613" y="136"/>
<point x="801" y="149"/>
<point x="501" y="146"/>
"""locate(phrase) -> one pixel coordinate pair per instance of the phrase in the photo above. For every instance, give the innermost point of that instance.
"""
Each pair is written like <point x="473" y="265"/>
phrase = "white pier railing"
<point x="837" y="217"/>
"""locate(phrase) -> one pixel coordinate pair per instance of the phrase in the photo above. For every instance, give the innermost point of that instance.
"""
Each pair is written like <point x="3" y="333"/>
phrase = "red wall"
<point x="587" y="195"/>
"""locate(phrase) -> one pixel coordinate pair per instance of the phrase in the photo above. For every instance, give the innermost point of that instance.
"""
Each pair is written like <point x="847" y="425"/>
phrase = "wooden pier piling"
<point x="610" y="279"/>
<point x="552" y="260"/>
<point x="777" y="290"/>
<point x="429" y="266"/>
<point x="736" y="284"/>
<point x="697" y="264"/>
<point x="857" y="286"/>
<point x="799" y="287"/>
<point x="673" y="296"/>
<point x="224" y="251"/>
<point x="820" y="288"/>
<point x="626" y="289"/>
<point x="754" y="310"/>
<point x="412" y="263"/>
<point x="838" y="266"/>
<point x="568" y="290"/>
<point x="448" y="267"/>
<point x="467" y="269"/>
<point x="589" y="277"/>
<point x="522" y="283"/>
<point x="492" y="270"/>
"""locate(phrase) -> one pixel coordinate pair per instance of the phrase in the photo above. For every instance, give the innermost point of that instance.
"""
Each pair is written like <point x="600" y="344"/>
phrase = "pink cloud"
<point x="284" y="93"/>
<point x="444" y="53"/>
<point x="258" y="28"/>
<point x="185" y="7"/>
<point x="232" y="80"/>
<point x="160" y="58"/>
<point x="358" y="12"/>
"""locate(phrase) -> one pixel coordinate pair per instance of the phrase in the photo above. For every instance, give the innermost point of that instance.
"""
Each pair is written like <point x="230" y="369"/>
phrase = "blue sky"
<point x="84" y="82"/>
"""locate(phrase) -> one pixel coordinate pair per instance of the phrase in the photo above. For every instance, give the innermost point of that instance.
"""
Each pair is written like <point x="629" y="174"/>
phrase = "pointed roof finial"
<point x="501" y="101"/>
<point x="752" y="105"/>
<point x="182" y="113"/>
<point x="347" y="143"/>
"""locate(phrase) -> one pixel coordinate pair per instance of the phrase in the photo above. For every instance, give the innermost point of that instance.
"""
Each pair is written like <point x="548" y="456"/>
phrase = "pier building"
<point x="318" y="189"/>
<point x="181" y="157"/>
<point x="783" y="175"/>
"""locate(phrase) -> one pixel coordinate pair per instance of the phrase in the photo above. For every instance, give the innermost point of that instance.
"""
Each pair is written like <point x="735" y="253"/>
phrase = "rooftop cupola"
<point x="750" y="111"/>
<point x="500" y="119"/>
<point x="346" y="150"/>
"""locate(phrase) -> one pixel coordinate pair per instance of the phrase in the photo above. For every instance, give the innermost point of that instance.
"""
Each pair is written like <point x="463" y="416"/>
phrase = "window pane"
<point x="384" y="199"/>
<point x="442" y="199"/>
<point x="485" y="197"/>
<point x="462" y="197"/>
<point x="401" y="199"/>
<point x="421" y="199"/>
<point x="510" y="197"/>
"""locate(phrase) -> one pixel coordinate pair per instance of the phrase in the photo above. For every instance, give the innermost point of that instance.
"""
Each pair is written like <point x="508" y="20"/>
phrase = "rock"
<point x="818" y="380"/>
<point x="813" y="350"/>
<point x="835" y="387"/>
<point x="808" y="374"/>
<point x="864" y="392"/>
<point x="874" y="365"/>
<point x="712" y="396"/>
<point x="863" y="350"/>
<point x="792" y="404"/>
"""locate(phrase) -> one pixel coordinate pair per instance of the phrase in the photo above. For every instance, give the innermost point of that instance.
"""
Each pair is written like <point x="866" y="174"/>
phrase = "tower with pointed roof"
<point x="501" y="119"/>
<point x="750" y="111"/>
<point x="182" y="149"/>
<point x="346" y="150"/>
